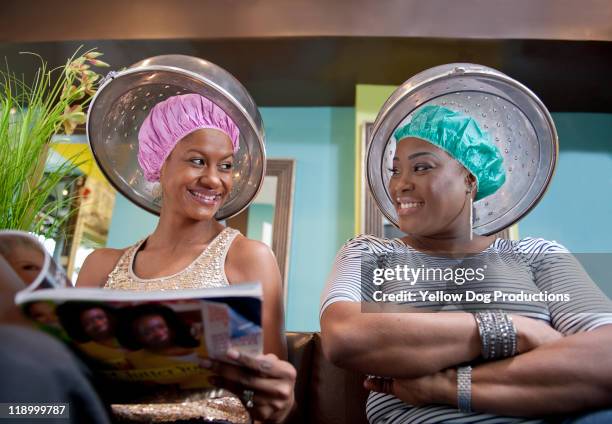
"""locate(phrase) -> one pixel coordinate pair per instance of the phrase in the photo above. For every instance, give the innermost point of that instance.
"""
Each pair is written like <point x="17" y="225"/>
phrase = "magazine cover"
<point x="150" y="337"/>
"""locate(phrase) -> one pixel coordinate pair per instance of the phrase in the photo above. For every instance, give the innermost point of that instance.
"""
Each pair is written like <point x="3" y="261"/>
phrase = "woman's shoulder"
<point x="250" y="248"/>
<point x="98" y="265"/>
<point x="530" y="245"/>
<point x="250" y="260"/>
<point x="244" y="252"/>
<point x="368" y="243"/>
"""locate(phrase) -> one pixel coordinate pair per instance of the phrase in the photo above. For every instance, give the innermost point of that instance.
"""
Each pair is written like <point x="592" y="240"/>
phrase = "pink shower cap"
<point x="173" y="119"/>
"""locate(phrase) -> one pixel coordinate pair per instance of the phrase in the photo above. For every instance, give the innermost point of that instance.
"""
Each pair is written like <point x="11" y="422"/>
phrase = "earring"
<point x="469" y="194"/>
<point x="156" y="192"/>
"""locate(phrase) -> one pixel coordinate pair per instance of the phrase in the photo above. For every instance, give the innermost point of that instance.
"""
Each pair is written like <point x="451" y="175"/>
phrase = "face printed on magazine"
<point x="96" y="324"/>
<point x="30" y="262"/>
<point x="25" y="257"/>
<point x="42" y="312"/>
<point x="153" y="332"/>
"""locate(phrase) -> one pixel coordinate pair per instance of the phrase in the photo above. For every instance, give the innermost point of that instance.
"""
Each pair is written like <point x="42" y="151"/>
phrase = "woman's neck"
<point x="172" y="231"/>
<point x="451" y="244"/>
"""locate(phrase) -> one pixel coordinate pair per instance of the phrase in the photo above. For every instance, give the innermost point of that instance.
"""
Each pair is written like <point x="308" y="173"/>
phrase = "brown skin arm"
<point x="97" y="266"/>
<point x="251" y="261"/>
<point x="272" y="380"/>
<point x="569" y="375"/>
<point x="416" y="344"/>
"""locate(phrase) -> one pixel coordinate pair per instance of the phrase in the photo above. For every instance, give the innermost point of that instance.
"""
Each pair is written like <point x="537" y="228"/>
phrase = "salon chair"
<point x="324" y="393"/>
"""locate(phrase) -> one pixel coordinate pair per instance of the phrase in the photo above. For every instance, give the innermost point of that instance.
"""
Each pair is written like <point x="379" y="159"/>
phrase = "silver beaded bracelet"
<point x="464" y="389"/>
<point x="497" y="334"/>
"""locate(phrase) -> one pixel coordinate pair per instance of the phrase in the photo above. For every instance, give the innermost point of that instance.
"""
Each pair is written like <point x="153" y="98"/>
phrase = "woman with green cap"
<point x="498" y="348"/>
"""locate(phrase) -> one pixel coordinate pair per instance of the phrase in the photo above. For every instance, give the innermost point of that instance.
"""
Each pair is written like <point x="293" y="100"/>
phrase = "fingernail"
<point x="265" y="365"/>
<point x="233" y="354"/>
<point x="206" y="363"/>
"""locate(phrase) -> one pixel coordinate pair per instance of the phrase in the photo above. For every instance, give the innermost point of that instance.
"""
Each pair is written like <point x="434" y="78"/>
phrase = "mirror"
<point x="88" y="227"/>
<point x="268" y="218"/>
<point x="85" y="222"/>
<point x="372" y="220"/>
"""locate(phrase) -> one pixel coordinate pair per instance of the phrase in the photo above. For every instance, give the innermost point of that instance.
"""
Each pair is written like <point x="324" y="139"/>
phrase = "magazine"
<point x="149" y="337"/>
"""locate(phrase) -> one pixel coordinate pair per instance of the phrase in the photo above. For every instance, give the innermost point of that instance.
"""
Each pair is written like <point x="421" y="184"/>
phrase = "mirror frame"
<point x="284" y="171"/>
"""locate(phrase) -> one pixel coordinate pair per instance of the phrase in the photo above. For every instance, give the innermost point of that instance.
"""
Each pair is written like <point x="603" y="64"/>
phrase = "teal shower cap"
<point x="460" y="136"/>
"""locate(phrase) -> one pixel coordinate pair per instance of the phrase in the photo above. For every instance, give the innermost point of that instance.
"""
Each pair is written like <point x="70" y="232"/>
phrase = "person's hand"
<point x="437" y="388"/>
<point x="532" y="333"/>
<point x="271" y="380"/>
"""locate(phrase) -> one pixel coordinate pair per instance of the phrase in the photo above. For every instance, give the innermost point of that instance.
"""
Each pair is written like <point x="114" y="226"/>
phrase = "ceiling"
<point x="313" y="53"/>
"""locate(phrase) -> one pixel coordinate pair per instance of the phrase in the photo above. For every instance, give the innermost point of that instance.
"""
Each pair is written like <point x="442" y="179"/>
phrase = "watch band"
<point x="464" y="389"/>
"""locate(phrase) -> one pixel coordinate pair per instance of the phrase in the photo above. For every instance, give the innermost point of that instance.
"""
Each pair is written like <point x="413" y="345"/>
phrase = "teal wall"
<point x="258" y="214"/>
<point x="576" y="210"/>
<point x="321" y="140"/>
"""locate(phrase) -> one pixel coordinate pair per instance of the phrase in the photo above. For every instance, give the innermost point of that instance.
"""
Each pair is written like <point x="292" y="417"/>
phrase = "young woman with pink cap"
<point x="187" y="144"/>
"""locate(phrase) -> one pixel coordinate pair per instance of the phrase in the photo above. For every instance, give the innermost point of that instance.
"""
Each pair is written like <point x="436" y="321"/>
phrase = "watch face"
<point x="518" y="123"/>
<point x="123" y="102"/>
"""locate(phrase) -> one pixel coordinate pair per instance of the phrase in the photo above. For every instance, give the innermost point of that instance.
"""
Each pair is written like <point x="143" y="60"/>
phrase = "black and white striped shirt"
<point x="528" y="266"/>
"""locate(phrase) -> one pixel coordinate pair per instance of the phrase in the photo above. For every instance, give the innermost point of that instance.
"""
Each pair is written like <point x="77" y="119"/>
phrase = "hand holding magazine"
<point x="149" y="337"/>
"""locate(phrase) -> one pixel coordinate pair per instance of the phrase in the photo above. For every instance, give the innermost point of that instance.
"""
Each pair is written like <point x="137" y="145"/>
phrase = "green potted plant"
<point x="30" y="114"/>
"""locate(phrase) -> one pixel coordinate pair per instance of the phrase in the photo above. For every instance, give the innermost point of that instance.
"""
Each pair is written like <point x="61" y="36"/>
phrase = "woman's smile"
<point x="408" y="206"/>
<point x="205" y="197"/>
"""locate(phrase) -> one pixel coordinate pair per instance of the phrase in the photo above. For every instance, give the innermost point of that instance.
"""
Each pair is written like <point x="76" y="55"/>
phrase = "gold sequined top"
<point x="207" y="270"/>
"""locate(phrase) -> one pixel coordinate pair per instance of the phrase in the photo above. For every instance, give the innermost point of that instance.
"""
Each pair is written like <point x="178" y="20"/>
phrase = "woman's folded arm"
<point x="568" y="375"/>
<point x="412" y="344"/>
<point x="397" y="345"/>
